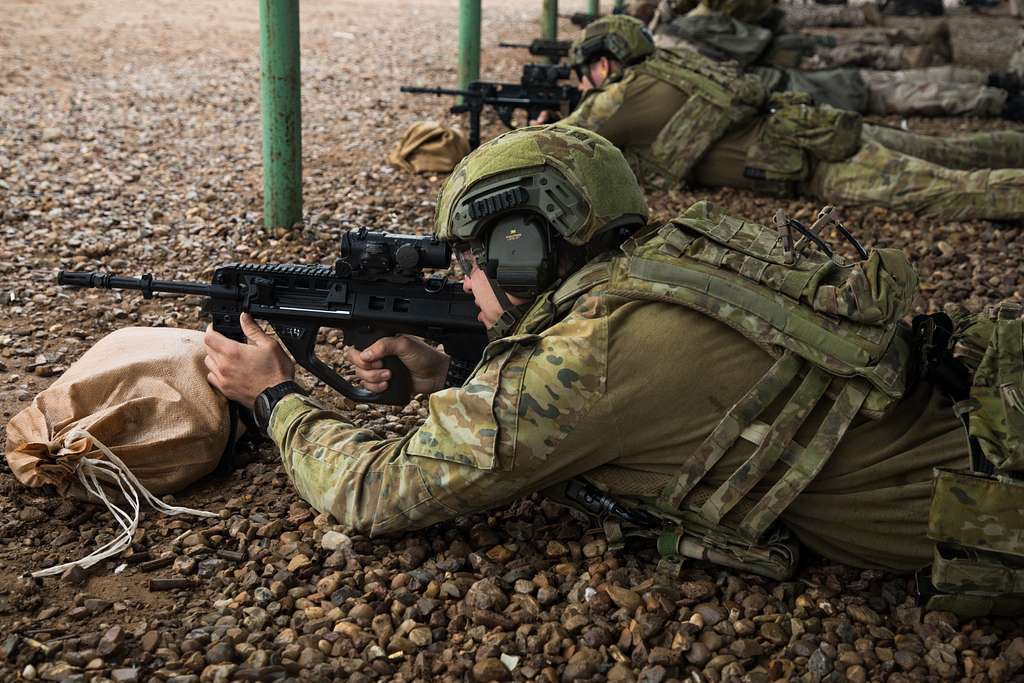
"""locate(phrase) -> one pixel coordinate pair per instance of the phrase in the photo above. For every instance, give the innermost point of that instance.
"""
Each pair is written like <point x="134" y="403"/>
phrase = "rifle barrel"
<point x="146" y="284"/>
<point x="435" y="91"/>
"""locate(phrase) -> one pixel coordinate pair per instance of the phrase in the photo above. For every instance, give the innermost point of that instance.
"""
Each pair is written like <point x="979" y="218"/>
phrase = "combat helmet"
<point x="508" y="204"/>
<point x="617" y="35"/>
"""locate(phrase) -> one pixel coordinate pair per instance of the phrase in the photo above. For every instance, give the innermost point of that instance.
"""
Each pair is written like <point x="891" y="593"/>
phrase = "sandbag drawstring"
<point x="90" y="470"/>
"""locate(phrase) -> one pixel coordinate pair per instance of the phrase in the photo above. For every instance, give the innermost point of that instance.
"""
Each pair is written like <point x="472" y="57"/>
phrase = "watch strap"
<point x="269" y="398"/>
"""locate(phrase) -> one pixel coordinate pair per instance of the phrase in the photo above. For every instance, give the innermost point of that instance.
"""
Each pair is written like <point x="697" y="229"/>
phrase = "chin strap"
<point x="511" y="313"/>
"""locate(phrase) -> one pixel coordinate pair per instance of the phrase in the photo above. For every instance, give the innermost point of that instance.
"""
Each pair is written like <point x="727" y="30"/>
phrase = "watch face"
<point x="262" y="410"/>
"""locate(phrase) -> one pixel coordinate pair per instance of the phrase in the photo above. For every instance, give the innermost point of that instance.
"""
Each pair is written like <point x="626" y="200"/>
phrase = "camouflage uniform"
<point x="884" y="49"/>
<point x="831" y="424"/>
<point x="819" y="149"/>
<point x="934" y="91"/>
<point x="799" y="17"/>
<point x="572" y="394"/>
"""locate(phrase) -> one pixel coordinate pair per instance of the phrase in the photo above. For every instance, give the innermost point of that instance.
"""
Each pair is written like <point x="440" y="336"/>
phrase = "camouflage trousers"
<point x="879" y="176"/>
<point x="873" y="56"/>
<point x="997" y="149"/>
<point x="799" y="17"/>
<point x="883" y="49"/>
<point x="936" y="91"/>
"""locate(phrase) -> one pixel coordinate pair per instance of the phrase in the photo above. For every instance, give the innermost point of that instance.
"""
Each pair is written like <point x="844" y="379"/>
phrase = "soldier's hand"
<point x="427" y="366"/>
<point x="242" y="371"/>
<point x="545" y="117"/>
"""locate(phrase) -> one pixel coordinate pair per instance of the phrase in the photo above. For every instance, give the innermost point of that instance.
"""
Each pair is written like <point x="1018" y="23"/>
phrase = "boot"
<point x="1009" y="81"/>
<point x="938" y="37"/>
<point x="1014" y="110"/>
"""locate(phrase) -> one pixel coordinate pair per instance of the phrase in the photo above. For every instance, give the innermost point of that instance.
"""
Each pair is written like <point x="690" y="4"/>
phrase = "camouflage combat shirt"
<point x="632" y="385"/>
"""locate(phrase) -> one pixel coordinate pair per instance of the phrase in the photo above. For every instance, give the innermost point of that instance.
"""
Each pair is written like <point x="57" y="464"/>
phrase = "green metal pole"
<point x="469" y="41"/>
<point x="549" y="20"/>
<point x="281" y="107"/>
<point x="594" y="7"/>
<point x="549" y="23"/>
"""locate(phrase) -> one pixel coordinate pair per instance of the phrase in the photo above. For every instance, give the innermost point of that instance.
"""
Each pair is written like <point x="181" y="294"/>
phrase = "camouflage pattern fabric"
<point x="880" y="57"/>
<point x="997" y="418"/>
<point x="687" y="102"/>
<point x="936" y="91"/>
<point x="966" y="152"/>
<point x="976" y="518"/>
<point x="799" y="17"/>
<point x="978" y="512"/>
<point x="1017" y="59"/>
<point x="582" y="159"/>
<point x="486" y="442"/>
<point x="896" y="169"/>
<point x="795" y="131"/>
<point x="575" y="391"/>
<point x="624" y="37"/>
<point x="878" y="176"/>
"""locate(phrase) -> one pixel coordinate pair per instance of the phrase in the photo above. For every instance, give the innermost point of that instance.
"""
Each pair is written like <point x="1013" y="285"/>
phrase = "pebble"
<point x="104" y="176"/>
<point x="490" y="669"/>
<point x="335" y="540"/>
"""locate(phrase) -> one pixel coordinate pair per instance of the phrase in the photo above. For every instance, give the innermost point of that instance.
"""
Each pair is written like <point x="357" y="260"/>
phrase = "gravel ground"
<point x="129" y="141"/>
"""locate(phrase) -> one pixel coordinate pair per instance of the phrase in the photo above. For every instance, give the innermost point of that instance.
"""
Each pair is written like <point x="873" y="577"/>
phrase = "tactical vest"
<point x="977" y="517"/>
<point x="719" y="97"/>
<point x="835" y="331"/>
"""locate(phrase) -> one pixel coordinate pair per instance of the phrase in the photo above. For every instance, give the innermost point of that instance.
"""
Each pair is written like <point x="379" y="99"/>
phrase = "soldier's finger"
<point x="215" y="341"/>
<point x="375" y="387"/>
<point x="355" y="357"/>
<point x="374" y="376"/>
<point x="215" y="381"/>
<point x="253" y="332"/>
<point x="386" y="346"/>
<point x="211" y="364"/>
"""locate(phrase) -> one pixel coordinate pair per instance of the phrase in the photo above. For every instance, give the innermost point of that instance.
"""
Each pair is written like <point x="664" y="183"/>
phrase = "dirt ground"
<point x="130" y="142"/>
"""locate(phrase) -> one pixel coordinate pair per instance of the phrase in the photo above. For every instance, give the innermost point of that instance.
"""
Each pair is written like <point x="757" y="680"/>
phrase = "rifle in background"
<point x="538" y="90"/>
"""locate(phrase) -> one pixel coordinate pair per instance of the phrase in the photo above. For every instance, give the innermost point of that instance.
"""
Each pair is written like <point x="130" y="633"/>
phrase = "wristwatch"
<point x="269" y="397"/>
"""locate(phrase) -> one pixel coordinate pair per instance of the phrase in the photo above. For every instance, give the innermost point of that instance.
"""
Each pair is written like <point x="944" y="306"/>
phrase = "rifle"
<point x="581" y="19"/>
<point x="376" y="289"/>
<point x="538" y="90"/>
<point x="556" y="50"/>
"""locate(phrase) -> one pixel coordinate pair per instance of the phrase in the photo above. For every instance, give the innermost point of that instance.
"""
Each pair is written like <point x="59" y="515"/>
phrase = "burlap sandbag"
<point x="429" y="147"/>
<point x="140" y="391"/>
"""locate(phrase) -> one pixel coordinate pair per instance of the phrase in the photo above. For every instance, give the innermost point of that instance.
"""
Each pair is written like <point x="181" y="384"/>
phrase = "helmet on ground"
<point x="618" y="35"/>
<point x="508" y="204"/>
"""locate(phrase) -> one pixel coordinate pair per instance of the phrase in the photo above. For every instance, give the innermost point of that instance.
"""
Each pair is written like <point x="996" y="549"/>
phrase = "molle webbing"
<point x="833" y="326"/>
<point x="975" y="511"/>
<point x="774" y="444"/>
<point x="975" y="584"/>
<point x="805" y="464"/>
<point x="730" y="427"/>
<point x="780" y="435"/>
<point x="719" y="97"/>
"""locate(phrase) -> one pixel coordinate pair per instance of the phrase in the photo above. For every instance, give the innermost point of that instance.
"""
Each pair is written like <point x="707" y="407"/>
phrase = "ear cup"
<point x="520" y="254"/>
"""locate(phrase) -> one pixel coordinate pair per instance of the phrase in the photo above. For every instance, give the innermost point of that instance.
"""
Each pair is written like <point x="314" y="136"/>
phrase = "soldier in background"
<point x="934" y="91"/>
<point x="680" y="117"/>
<point x="869" y="48"/>
<point x="819" y="421"/>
